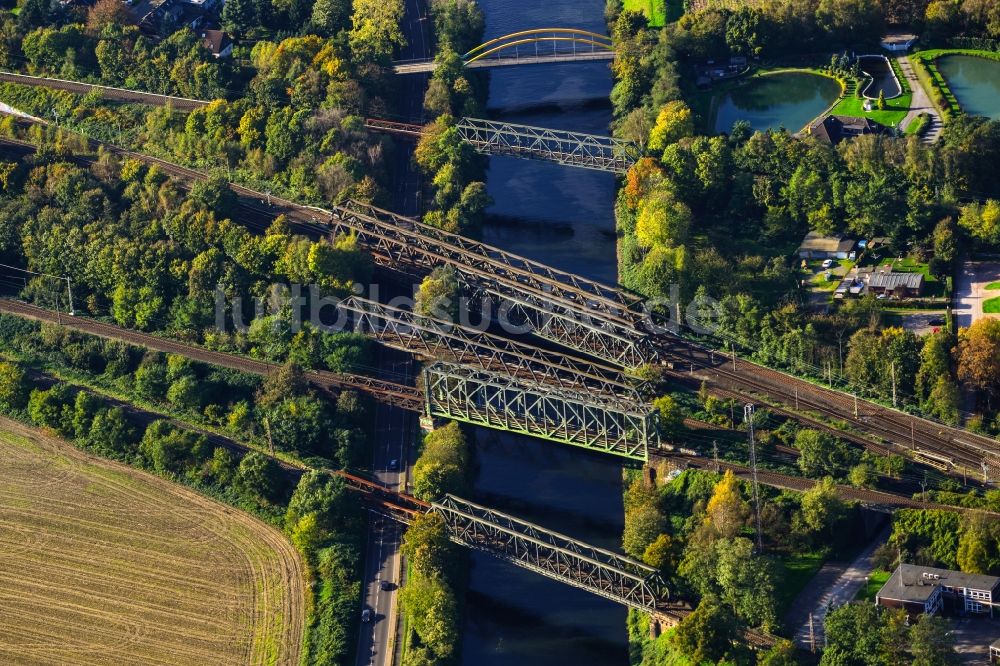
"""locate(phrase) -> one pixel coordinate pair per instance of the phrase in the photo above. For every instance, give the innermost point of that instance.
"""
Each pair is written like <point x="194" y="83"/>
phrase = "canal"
<point x="564" y="217"/>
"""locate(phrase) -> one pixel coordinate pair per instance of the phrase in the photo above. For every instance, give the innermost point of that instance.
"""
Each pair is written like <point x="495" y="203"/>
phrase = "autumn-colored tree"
<point x="108" y="12"/>
<point x="640" y="179"/>
<point x="674" y="122"/>
<point x="979" y="355"/>
<point x="727" y="511"/>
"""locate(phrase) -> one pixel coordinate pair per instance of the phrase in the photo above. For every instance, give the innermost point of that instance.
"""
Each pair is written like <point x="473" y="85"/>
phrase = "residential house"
<point x="818" y="246"/>
<point x="898" y="42"/>
<point x="918" y="589"/>
<point x="218" y="42"/>
<point x="995" y="652"/>
<point x="895" y="285"/>
<point x="834" y="129"/>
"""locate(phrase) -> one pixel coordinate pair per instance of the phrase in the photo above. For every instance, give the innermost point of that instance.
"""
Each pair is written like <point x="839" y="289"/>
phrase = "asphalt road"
<point x="393" y="433"/>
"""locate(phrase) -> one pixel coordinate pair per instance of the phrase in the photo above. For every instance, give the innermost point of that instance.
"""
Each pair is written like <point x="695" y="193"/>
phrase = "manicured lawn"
<point x="993" y="286"/>
<point x="932" y="286"/>
<point x="918" y="124"/>
<point x="799" y="570"/>
<point x="895" y="109"/>
<point x="992" y="306"/>
<point x="875" y="582"/>
<point x="656" y="10"/>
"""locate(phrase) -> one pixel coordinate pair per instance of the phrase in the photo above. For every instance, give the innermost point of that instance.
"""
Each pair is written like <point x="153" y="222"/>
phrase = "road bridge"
<point x="490" y="137"/>
<point x="527" y="47"/>
<point x="585" y="419"/>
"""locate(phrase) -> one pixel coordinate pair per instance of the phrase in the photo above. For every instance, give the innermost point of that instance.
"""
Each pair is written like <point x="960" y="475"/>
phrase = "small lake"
<point x="790" y="100"/>
<point x="883" y="80"/>
<point x="975" y="82"/>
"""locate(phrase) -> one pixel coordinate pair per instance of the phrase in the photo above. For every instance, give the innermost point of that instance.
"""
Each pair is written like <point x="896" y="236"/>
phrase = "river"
<point x="564" y="217"/>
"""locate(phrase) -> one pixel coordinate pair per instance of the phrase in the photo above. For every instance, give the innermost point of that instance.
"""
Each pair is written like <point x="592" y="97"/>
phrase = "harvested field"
<point x="103" y="564"/>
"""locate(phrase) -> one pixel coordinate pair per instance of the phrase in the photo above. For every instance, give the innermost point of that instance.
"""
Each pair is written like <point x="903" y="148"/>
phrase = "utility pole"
<point x="812" y="635"/>
<point x="732" y="352"/>
<point x="913" y="436"/>
<point x="267" y="429"/>
<point x="855" y="405"/>
<point x="715" y="454"/>
<point x="69" y="291"/>
<point x="923" y="487"/>
<point x="748" y="417"/>
<point x="893" y="383"/>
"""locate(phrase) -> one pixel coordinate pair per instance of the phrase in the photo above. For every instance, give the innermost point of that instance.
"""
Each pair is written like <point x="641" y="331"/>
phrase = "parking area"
<point x="972" y="289"/>
<point x="920" y="322"/>
<point x="973" y="637"/>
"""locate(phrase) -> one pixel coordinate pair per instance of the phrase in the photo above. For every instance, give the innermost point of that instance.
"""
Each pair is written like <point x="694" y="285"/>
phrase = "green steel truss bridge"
<point x="527" y="47"/>
<point x="490" y="137"/>
<point x="586" y="420"/>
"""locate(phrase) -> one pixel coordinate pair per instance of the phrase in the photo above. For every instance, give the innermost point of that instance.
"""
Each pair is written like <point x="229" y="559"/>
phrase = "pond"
<point x="790" y="100"/>
<point x="883" y="80"/>
<point x="975" y="83"/>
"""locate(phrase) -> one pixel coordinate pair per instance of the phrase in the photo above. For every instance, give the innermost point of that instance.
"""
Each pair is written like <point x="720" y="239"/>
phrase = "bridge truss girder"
<point x="574" y="312"/>
<point x="490" y="400"/>
<point x="441" y="340"/>
<point x="551" y="554"/>
<point x="588" y="151"/>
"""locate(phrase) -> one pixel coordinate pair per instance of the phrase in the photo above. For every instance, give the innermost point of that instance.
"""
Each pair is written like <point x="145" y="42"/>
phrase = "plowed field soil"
<point x="103" y="564"/>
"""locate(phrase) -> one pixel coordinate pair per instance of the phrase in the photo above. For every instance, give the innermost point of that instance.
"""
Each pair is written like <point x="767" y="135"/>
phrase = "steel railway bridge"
<point x="604" y="322"/>
<point x="607" y="574"/>
<point x="527" y="47"/>
<point x="490" y="137"/>
<point x="600" y="423"/>
<point x="556" y="556"/>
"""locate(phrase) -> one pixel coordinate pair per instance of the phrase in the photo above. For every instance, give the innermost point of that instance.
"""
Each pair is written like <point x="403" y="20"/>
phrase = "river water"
<point x="564" y="217"/>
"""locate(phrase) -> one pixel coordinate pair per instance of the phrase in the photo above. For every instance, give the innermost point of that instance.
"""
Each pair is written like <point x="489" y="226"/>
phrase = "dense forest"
<point x="720" y="216"/>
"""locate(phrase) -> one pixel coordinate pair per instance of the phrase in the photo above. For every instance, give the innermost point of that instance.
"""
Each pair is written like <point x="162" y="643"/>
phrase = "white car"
<point x="827" y="263"/>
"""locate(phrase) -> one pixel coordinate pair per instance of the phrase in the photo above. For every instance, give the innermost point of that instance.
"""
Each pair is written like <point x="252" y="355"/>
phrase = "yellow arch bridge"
<point x="537" y="46"/>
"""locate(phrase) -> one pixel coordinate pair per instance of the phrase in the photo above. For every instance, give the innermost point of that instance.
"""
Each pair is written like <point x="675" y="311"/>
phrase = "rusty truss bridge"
<point x="527" y="47"/>
<point x="581" y="314"/>
<point x="602" y="572"/>
<point x="553" y="555"/>
<point x="490" y="137"/>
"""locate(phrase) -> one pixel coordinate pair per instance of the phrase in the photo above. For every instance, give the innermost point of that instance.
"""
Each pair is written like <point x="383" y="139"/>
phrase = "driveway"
<point x="832" y="586"/>
<point x="973" y="636"/>
<point x="970" y="291"/>
<point x="920" y="103"/>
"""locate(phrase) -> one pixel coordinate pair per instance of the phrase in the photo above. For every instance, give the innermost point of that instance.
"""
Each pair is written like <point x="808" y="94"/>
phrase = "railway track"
<point x="107" y="92"/>
<point x="406" y="397"/>
<point x="393" y="239"/>
<point x="873" y="498"/>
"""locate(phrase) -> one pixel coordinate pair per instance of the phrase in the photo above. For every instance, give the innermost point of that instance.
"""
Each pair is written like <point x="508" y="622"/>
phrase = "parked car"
<point x="394" y="464"/>
<point x="827" y="263"/>
<point x="936" y="321"/>
<point x="385" y="585"/>
<point x="366" y="615"/>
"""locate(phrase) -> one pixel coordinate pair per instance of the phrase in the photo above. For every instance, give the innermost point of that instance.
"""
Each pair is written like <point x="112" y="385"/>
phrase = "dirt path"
<point x="101" y="563"/>
<point x="920" y="103"/>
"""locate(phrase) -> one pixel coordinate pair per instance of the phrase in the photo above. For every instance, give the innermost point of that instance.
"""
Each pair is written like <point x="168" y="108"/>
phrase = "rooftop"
<point x="911" y="582"/>
<point x="834" y="129"/>
<point x="893" y="280"/>
<point x="816" y="242"/>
